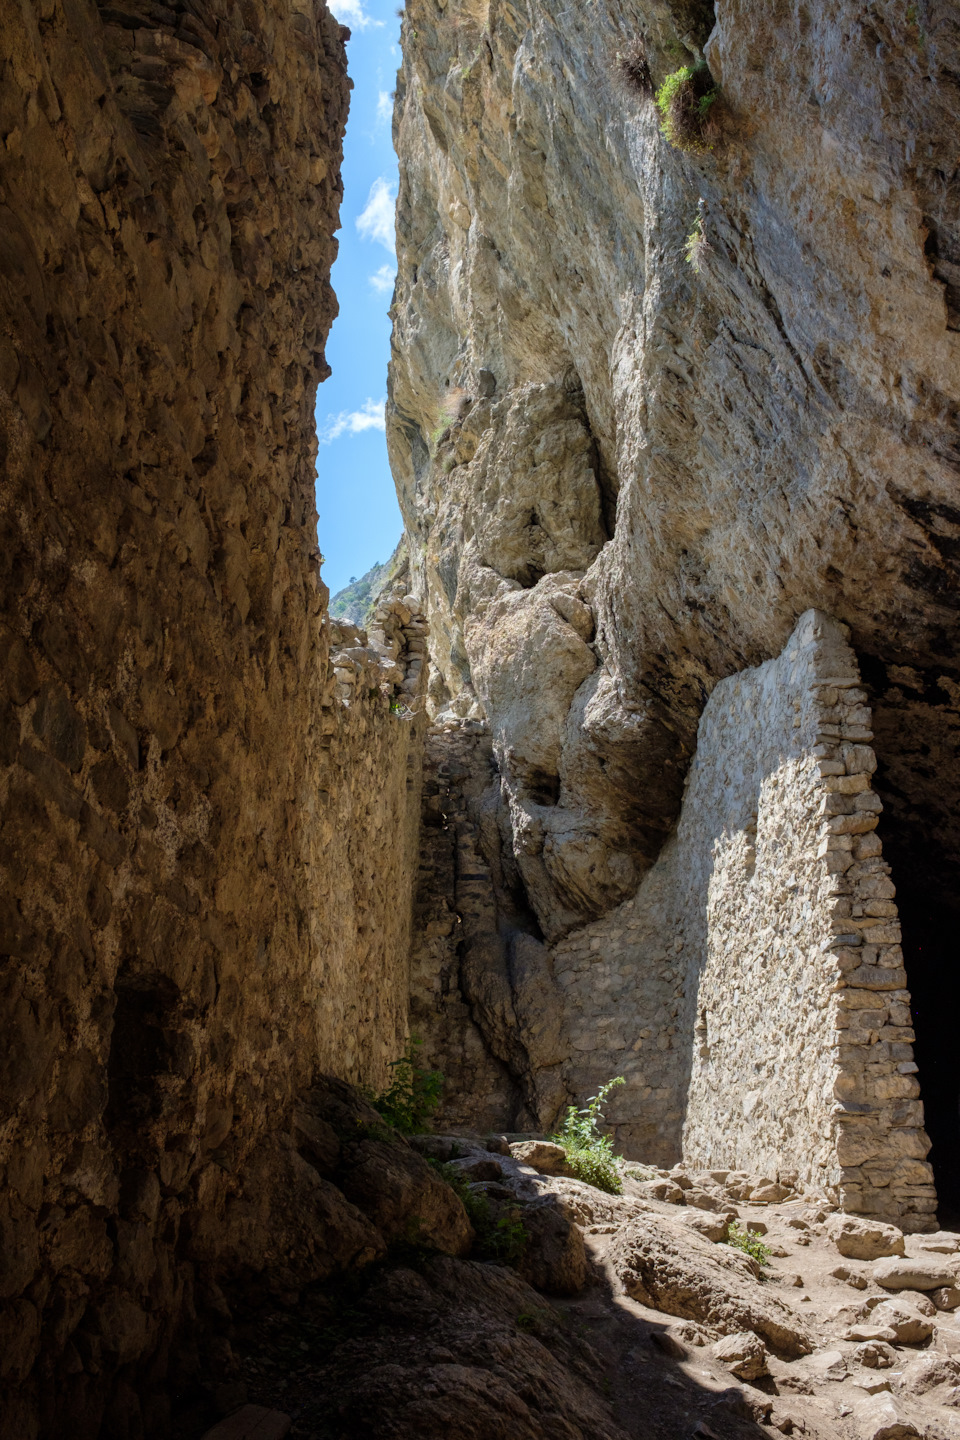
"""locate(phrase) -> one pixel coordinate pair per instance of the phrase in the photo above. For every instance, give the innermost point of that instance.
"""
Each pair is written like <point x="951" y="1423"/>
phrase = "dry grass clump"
<point x="696" y="246"/>
<point x="632" y="70"/>
<point x="685" y="101"/>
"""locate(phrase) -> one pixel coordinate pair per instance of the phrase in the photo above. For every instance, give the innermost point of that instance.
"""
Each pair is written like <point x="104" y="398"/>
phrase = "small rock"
<point x="743" y="1354"/>
<point x="850" y="1277"/>
<point x="860" y="1239"/>
<point x="919" y="1301"/>
<point x="827" y="1365"/>
<point x="946" y="1297"/>
<point x="664" y="1190"/>
<point x="541" y="1155"/>
<point x="497" y="1144"/>
<point x="882" y="1418"/>
<point x="769" y="1194"/>
<point x="905" y="1274"/>
<point x="942" y="1242"/>
<point x="876" y="1355"/>
<point x="703" y="1199"/>
<point x="873" y="1384"/>
<point x="711" y="1227"/>
<point x="796" y="1281"/>
<point x="951" y="1397"/>
<point x="756" y="1227"/>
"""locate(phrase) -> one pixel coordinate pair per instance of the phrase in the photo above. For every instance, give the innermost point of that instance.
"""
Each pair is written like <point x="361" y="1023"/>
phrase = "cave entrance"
<point x="916" y="722"/>
<point x="931" y="952"/>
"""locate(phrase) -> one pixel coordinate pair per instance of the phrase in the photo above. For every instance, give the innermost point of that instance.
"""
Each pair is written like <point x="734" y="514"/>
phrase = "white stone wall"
<point x="753" y="991"/>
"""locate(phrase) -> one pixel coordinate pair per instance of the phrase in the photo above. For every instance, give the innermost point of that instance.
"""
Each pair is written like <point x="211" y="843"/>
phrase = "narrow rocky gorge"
<point x="639" y="761"/>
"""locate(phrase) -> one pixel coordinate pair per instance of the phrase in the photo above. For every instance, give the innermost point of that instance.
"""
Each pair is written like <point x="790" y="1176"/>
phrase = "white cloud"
<point x="376" y="221"/>
<point x="370" y="416"/>
<point x="384" y="107"/>
<point x="351" y="12"/>
<point x="383" y="280"/>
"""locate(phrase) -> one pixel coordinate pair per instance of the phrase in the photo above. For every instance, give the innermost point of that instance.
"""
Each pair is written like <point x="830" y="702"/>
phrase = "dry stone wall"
<point x="752" y="993"/>
<point x="205" y="841"/>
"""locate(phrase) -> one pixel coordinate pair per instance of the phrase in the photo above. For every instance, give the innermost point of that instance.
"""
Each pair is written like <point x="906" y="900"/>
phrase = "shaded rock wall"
<point x="626" y="476"/>
<point x="204" y="849"/>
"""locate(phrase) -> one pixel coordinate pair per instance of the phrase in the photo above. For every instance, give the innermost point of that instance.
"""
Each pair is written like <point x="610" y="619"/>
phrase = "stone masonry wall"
<point x="752" y="992"/>
<point x="204" y="848"/>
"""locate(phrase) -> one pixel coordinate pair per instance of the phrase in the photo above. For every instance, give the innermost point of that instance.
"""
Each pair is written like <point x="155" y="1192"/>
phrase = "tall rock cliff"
<point x="652" y="401"/>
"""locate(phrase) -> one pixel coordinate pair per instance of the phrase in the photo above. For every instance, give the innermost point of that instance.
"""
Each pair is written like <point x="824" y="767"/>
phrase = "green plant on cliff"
<point x="589" y="1153"/>
<point x="697" y="246"/>
<point x="684" y="101"/>
<point x="414" y="1094"/>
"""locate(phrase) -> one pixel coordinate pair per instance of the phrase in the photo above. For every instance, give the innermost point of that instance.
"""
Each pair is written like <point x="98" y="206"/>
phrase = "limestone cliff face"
<point x="207" y="829"/>
<point x="647" y="408"/>
<point x="627" y="478"/>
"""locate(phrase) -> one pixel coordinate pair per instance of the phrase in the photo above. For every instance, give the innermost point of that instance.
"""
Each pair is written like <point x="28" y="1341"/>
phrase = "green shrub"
<point x="749" y="1243"/>
<point x="414" y="1094"/>
<point x="685" y="100"/>
<point x="589" y="1153"/>
<point x="502" y="1238"/>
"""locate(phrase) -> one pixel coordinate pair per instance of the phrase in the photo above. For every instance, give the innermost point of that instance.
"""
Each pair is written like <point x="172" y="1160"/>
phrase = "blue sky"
<point x="359" y="517"/>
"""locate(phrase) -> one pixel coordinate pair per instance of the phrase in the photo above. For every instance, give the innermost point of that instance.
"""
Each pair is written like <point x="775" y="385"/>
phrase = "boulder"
<point x="711" y="1227"/>
<point x="704" y="1199"/>
<point x="926" y="1372"/>
<point x="893" y="1324"/>
<point x="665" y="1190"/>
<point x="875" y="1355"/>
<point x="541" y="1155"/>
<point x="400" y="1193"/>
<point x="555" y="1259"/>
<point x="860" y="1239"/>
<point x="909" y="1274"/>
<point x="663" y="1264"/>
<point x="946" y="1297"/>
<point x="827" y="1365"/>
<point x="743" y="1354"/>
<point x="475" y="1168"/>
<point x="882" y="1418"/>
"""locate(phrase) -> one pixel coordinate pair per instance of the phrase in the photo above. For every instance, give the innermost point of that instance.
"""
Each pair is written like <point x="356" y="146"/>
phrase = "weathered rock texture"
<point x="626" y="478"/>
<point x="205" y="849"/>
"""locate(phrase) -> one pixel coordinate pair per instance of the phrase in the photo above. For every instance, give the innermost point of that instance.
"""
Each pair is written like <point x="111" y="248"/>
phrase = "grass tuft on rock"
<point x="632" y="69"/>
<point x="502" y="1238"/>
<point x="685" y="101"/>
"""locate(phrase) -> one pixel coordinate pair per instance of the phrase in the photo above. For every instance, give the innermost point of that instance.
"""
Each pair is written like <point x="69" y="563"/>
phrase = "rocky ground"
<point x="618" y="1316"/>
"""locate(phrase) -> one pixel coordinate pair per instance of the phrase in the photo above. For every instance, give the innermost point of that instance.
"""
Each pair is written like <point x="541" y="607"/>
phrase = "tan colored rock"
<point x="743" y="1354"/>
<point x="711" y="1227"/>
<point x="893" y="1324"/>
<point x="875" y="1354"/>
<point x="861" y="1239"/>
<point x="541" y="1155"/>
<point x="926" y="1372"/>
<point x="907" y="1274"/>
<point x="671" y="1269"/>
<point x="946" y="1297"/>
<point x="883" y="1418"/>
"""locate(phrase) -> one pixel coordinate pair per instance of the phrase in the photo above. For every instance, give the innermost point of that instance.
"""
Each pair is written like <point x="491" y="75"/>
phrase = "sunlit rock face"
<point x="206" y="830"/>
<point x="628" y="476"/>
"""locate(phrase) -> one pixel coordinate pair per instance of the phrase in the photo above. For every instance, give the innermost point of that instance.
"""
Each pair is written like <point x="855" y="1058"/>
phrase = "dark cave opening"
<point x="916" y="722"/>
<point x="931" y="950"/>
